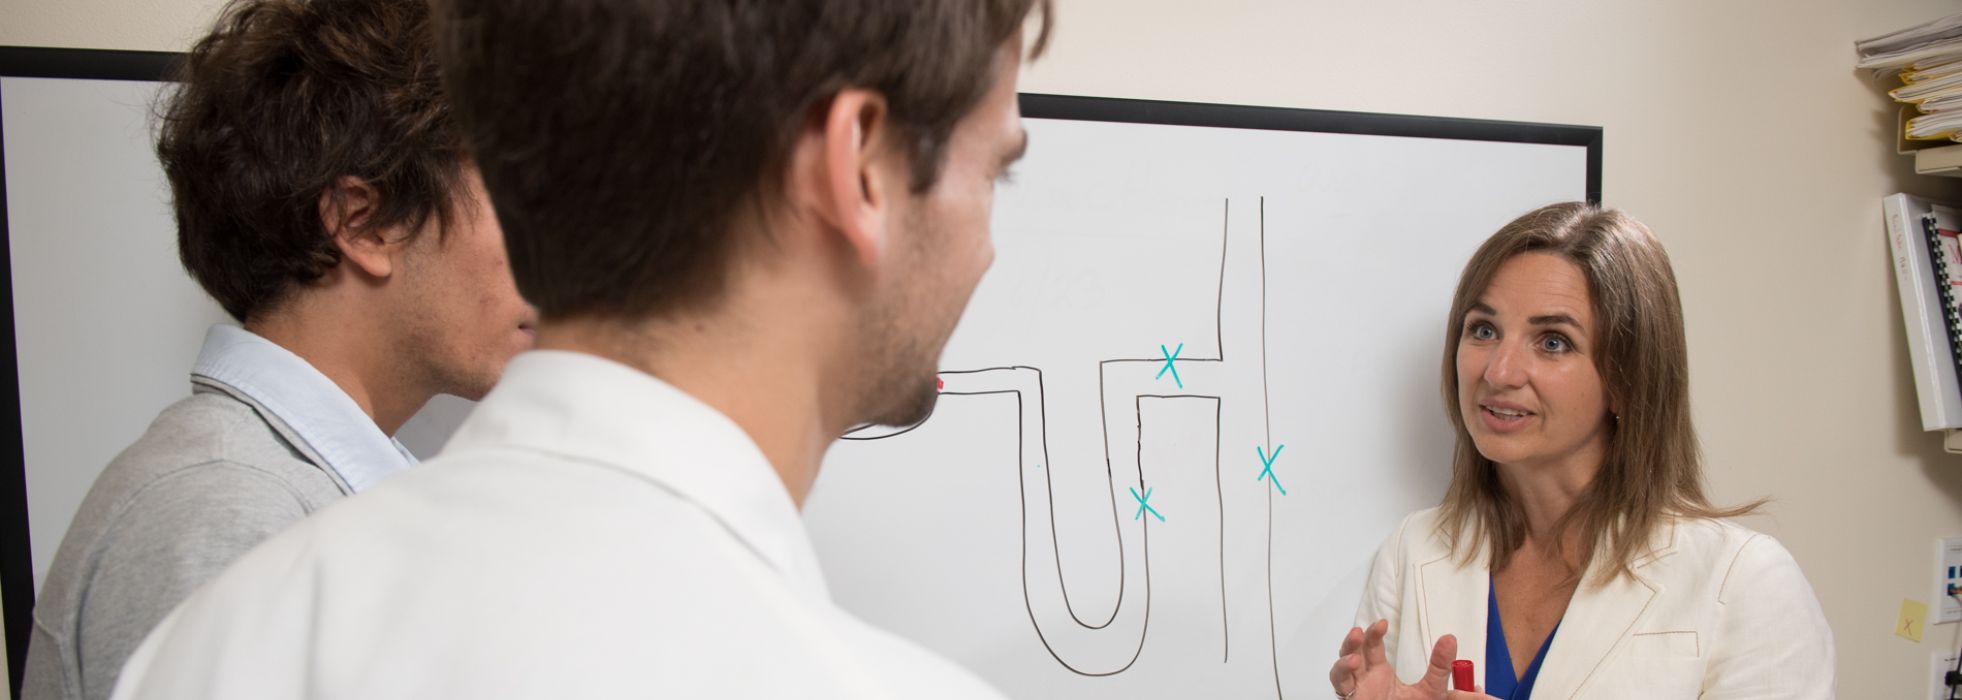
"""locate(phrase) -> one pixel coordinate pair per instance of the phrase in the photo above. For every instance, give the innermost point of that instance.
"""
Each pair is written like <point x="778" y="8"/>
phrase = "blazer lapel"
<point x="1599" y="620"/>
<point x="1453" y="601"/>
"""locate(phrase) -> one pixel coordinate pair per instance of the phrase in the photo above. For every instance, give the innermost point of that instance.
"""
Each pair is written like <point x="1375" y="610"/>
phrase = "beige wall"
<point x="1802" y="386"/>
<point x="1739" y="131"/>
<point x="141" y="25"/>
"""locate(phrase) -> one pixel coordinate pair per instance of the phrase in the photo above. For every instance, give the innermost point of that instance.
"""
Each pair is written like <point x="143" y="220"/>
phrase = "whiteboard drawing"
<point x="1125" y="385"/>
<point x="1195" y="392"/>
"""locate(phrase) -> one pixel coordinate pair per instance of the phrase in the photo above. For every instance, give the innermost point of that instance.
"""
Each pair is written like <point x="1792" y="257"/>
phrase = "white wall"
<point x="1802" y="387"/>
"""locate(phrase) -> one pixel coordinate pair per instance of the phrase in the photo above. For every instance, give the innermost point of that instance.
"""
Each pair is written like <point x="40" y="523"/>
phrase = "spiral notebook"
<point x="1941" y="226"/>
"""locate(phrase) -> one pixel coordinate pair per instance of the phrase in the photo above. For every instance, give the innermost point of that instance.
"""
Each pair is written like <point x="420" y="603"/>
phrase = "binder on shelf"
<point x="1942" y="226"/>
<point x="1931" y="348"/>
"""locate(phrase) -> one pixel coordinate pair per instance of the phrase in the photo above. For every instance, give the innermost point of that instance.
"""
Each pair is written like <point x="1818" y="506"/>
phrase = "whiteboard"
<point x="1182" y="292"/>
<point x="105" y="322"/>
<point x="1302" y="259"/>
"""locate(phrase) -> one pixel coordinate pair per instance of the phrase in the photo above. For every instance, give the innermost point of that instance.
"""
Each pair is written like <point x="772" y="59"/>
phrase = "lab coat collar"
<point x="585" y="408"/>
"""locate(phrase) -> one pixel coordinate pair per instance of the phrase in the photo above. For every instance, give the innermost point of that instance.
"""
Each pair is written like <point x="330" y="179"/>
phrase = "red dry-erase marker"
<point x="1461" y="675"/>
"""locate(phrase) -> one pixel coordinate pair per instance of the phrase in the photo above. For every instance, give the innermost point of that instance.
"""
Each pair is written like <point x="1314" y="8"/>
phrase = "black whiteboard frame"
<point x="16" y="557"/>
<point x="1127" y="111"/>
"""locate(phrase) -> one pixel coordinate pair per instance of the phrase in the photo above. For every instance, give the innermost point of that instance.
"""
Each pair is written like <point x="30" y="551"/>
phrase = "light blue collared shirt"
<point x="313" y="406"/>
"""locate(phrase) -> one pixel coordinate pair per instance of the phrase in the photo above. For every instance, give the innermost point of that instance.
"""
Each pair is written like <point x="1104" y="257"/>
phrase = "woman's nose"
<point x="1504" y="367"/>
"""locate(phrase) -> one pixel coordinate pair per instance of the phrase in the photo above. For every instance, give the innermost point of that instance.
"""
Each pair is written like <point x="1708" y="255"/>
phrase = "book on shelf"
<point x="1931" y="348"/>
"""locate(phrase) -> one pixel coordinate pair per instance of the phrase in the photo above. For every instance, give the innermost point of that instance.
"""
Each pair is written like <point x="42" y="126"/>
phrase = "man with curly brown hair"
<point x="324" y="198"/>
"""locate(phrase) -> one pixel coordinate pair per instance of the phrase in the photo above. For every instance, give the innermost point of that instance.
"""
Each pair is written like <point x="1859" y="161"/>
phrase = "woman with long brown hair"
<point x="1575" y="553"/>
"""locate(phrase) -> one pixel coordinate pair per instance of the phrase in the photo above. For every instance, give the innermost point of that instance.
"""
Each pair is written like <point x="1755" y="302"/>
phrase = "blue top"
<point x="1499" y="682"/>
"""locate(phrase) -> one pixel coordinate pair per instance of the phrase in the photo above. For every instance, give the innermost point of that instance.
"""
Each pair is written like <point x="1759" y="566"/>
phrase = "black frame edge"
<point x="16" y="555"/>
<point x="86" y="64"/>
<point x="1129" y="111"/>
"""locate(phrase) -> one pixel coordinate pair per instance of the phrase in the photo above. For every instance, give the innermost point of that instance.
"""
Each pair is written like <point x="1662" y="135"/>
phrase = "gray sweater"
<point x="214" y="476"/>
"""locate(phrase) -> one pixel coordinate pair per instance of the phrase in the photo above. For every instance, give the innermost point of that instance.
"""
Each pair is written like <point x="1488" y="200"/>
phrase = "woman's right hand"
<point x="1363" y="671"/>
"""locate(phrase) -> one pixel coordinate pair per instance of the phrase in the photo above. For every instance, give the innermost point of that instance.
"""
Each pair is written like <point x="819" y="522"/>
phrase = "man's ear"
<point x="853" y="175"/>
<point x="347" y="212"/>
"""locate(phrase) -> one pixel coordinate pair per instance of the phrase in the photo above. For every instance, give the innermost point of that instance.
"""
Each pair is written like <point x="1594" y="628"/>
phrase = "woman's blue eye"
<point x="1480" y="331"/>
<point x="1554" y="343"/>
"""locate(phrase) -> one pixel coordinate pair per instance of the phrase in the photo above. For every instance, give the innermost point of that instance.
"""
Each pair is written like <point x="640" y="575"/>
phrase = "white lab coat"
<point x="590" y="532"/>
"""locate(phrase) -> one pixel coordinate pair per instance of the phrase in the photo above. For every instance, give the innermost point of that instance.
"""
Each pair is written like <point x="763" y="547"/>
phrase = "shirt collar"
<point x="587" y="408"/>
<point x="349" y="444"/>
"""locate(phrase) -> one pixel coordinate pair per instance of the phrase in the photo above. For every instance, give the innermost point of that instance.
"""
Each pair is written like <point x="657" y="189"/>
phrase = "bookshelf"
<point x="1920" y="68"/>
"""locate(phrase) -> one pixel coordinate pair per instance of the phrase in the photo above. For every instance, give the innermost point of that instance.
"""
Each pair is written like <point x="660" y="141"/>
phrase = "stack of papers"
<point x="1928" y="59"/>
<point x="1928" y="43"/>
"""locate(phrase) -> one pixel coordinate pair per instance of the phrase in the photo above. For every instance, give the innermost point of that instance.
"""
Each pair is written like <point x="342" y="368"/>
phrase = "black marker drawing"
<point x="1134" y="381"/>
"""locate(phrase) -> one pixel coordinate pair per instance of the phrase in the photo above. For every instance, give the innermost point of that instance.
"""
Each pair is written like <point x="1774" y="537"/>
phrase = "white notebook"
<point x="1930" y="350"/>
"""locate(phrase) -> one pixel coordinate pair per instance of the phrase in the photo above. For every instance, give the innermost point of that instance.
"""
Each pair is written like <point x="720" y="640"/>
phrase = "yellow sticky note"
<point x="1914" y="617"/>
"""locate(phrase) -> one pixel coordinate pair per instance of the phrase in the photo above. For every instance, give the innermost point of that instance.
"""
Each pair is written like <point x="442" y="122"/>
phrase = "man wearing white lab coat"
<point x="747" y="228"/>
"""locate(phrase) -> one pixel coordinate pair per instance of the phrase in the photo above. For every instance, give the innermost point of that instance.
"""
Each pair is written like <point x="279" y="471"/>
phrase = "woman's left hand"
<point x="1363" y="670"/>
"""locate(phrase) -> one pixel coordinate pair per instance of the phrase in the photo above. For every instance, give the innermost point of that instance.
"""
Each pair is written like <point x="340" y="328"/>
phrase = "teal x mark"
<point x="1267" y="466"/>
<point x="1171" y="355"/>
<point x="1143" y="506"/>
